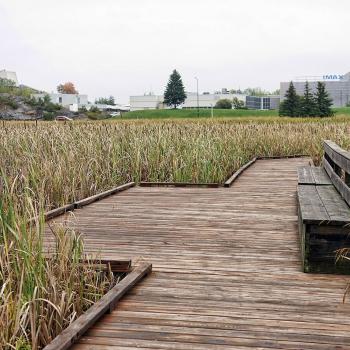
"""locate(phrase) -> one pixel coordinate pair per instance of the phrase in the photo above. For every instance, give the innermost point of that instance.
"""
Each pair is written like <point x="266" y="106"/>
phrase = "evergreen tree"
<point x="308" y="106"/>
<point x="174" y="94"/>
<point x="291" y="105"/>
<point x="324" y="102"/>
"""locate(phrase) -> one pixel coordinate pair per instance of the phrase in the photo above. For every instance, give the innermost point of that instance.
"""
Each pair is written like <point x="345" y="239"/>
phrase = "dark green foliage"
<point x="48" y="115"/>
<point x="106" y="101"/>
<point x="175" y="92"/>
<point x="94" y="109"/>
<point x="224" y="104"/>
<point x="324" y="102"/>
<point x="308" y="105"/>
<point x="97" y="115"/>
<point x="8" y="101"/>
<point x="238" y="104"/>
<point x="7" y="83"/>
<point x="290" y="107"/>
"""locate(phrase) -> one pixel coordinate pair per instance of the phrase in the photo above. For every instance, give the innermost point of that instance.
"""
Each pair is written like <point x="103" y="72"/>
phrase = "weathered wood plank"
<point x="239" y="172"/>
<point x="320" y="176"/>
<point x="223" y="259"/>
<point x="312" y="208"/>
<point x="179" y="184"/>
<point x="102" y="195"/>
<point x="334" y="204"/>
<point x="305" y="176"/>
<point x="107" y="303"/>
<point x="308" y="175"/>
<point x="339" y="184"/>
<point x="338" y="155"/>
<point x="59" y="211"/>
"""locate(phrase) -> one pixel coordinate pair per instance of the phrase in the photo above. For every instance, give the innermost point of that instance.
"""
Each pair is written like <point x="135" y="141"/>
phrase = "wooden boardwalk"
<point x="226" y="268"/>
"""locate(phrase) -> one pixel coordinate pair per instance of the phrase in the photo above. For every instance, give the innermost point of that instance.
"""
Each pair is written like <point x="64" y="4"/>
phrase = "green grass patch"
<point x="206" y="113"/>
<point x="192" y="113"/>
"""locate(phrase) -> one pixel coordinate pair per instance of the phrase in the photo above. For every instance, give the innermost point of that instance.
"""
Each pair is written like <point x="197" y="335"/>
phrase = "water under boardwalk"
<point x="226" y="268"/>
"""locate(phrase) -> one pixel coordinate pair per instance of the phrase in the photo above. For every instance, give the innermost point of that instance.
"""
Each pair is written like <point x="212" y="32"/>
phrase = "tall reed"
<point x="41" y="290"/>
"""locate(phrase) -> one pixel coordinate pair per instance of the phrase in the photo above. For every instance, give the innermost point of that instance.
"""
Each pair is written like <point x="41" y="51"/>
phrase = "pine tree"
<point x="175" y="92"/>
<point x="308" y="106"/>
<point x="291" y="105"/>
<point x="324" y="102"/>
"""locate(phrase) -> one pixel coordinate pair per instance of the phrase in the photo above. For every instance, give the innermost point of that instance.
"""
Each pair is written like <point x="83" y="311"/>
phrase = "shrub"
<point x="8" y="101"/>
<point x="49" y="115"/>
<point x="224" y="104"/>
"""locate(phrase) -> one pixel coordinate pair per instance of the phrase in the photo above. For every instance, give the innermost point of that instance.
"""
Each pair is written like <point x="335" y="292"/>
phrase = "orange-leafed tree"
<point x="67" y="88"/>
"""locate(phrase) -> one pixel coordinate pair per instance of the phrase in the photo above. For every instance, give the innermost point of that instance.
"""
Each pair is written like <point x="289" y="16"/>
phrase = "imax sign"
<point x="333" y="77"/>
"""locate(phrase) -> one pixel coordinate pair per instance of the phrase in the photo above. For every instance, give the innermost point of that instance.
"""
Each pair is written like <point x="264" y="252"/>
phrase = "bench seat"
<point x="324" y="222"/>
<point x="308" y="175"/>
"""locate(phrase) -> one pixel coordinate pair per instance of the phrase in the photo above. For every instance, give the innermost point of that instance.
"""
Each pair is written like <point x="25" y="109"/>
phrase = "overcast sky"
<point x="123" y="48"/>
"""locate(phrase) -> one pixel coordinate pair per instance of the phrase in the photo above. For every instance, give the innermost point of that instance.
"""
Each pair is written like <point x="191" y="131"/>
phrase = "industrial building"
<point x="263" y="102"/>
<point x="337" y="86"/>
<point x="204" y="100"/>
<point x="5" y="74"/>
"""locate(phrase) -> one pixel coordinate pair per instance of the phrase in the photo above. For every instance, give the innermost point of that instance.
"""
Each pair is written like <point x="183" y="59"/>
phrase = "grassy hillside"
<point x="192" y="113"/>
<point x="206" y="113"/>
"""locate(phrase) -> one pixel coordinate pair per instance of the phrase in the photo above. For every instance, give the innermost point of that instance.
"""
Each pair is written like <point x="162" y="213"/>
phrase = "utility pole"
<point x="197" y="98"/>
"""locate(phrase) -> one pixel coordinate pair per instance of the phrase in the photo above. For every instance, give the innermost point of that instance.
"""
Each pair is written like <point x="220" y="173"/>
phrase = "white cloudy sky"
<point x="129" y="47"/>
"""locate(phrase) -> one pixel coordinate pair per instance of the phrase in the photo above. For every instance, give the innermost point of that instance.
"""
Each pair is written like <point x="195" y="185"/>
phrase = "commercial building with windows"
<point x="337" y="86"/>
<point x="205" y="100"/>
<point x="262" y="102"/>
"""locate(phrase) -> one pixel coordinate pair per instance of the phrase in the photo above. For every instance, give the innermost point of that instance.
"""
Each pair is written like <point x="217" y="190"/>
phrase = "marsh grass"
<point x="41" y="290"/>
<point x="62" y="163"/>
<point x="47" y="165"/>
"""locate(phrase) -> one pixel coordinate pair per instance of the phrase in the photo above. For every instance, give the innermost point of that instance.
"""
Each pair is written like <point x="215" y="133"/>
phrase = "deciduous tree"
<point x="67" y="88"/>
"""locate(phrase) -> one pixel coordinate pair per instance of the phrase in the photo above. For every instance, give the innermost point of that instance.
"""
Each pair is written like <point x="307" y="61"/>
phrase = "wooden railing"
<point x="336" y="162"/>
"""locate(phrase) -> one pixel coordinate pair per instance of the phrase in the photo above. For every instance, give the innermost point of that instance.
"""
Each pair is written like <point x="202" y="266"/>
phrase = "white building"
<point x="5" y="74"/>
<point x="65" y="100"/>
<point x="205" y="100"/>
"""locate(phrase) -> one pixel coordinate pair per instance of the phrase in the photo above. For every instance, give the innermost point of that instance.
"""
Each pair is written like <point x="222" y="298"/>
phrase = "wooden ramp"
<point x="227" y="271"/>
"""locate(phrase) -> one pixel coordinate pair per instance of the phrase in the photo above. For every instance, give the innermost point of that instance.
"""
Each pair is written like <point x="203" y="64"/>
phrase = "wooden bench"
<point x="324" y="213"/>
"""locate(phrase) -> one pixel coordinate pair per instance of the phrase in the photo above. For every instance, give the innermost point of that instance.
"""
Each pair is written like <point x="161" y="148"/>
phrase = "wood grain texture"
<point x="338" y="155"/>
<point x="308" y="175"/>
<point x="86" y="201"/>
<point x="338" y="183"/>
<point x="239" y="172"/>
<point x="107" y="303"/>
<point x="226" y="268"/>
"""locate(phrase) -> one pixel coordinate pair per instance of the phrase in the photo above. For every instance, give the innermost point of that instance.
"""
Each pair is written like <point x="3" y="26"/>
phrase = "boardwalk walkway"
<point x="226" y="268"/>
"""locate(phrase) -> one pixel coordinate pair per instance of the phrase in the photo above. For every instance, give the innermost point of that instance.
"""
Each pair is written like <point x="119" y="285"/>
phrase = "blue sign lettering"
<point x="333" y="77"/>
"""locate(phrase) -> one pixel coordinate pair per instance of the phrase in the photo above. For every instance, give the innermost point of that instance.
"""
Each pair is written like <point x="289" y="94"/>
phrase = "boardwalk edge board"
<point x="227" y="183"/>
<point x="235" y="175"/>
<point x="106" y="304"/>
<point x="179" y="184"/>
<point x="283" y="157"/>
<point x="115" y="266"/>
<point x="86" y="201"/>
<point x="81" y="203"/>
<point x="96" y="197"/>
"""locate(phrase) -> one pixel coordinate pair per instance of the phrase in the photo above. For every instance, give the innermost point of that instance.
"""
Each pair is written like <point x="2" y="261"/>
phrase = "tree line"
<point x="311" y="104"/>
